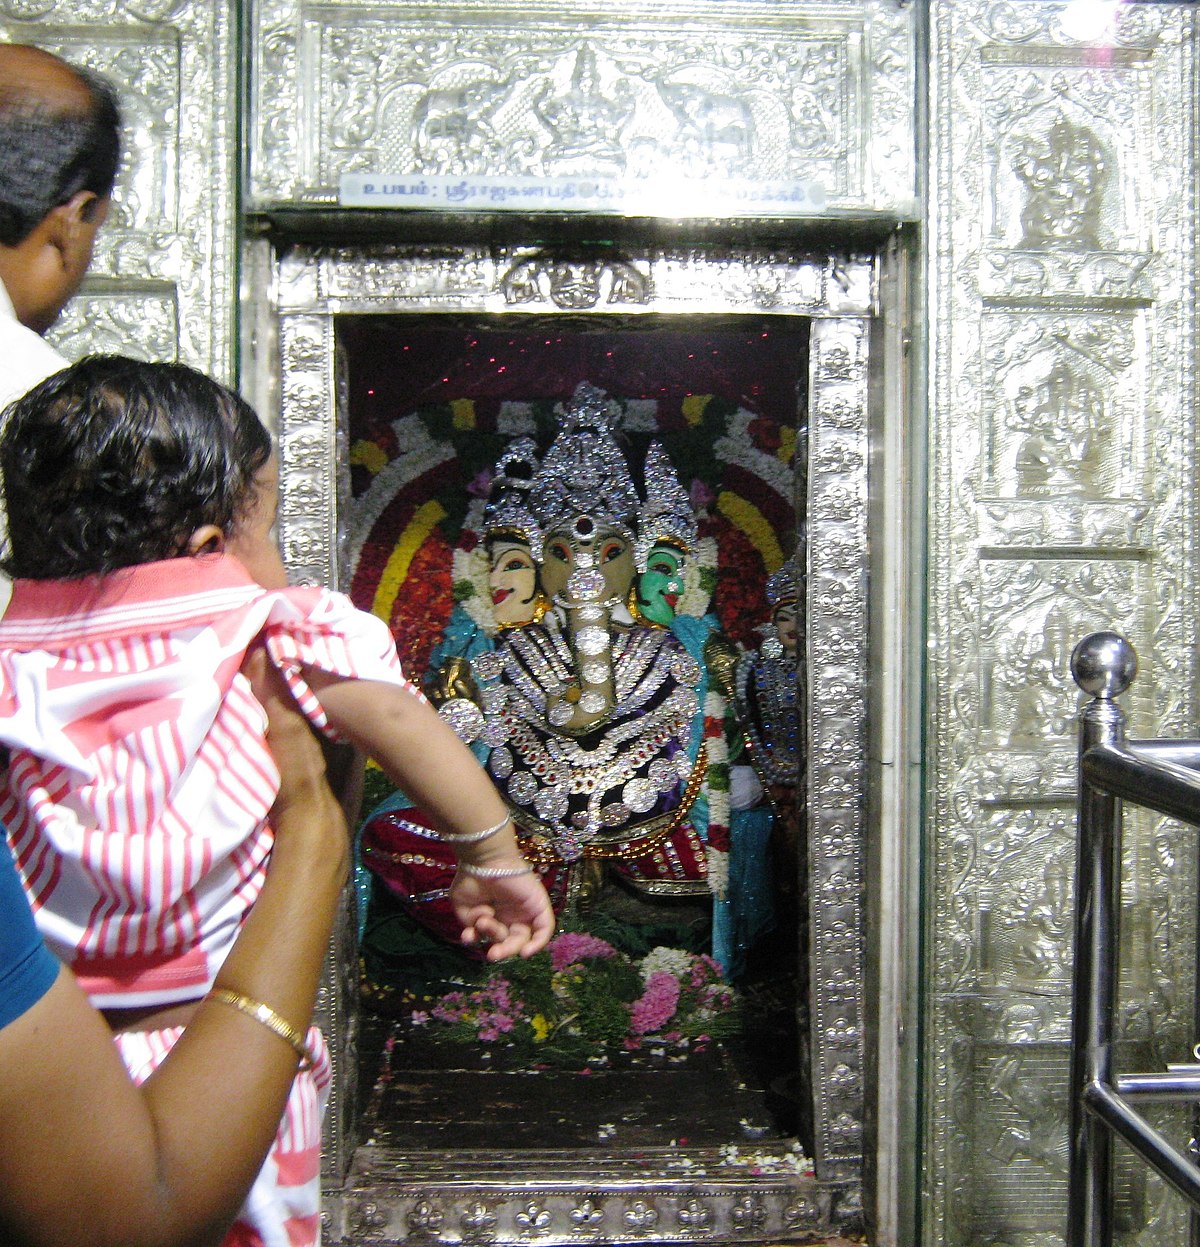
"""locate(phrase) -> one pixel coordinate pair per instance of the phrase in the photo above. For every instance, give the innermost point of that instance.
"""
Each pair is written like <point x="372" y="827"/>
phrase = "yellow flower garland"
<point x="411" y="540"/>
<point x="693" y="407"/>
<point x="746" y="516"/>
<point x="369" y="455"/>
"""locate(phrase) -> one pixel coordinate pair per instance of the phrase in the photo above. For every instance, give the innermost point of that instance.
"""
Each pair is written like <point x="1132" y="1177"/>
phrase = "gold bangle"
<point x="269" y="1018"/>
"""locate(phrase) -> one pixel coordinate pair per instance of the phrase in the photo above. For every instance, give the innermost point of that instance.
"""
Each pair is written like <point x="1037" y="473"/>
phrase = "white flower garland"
<point x="419" y="454"/>
<point x="673" y="960"/>
<point x="695" y="599"/>
<point x="737" y="447"/>
<point x="718" y="800"/>
<point x="473" y="567"/>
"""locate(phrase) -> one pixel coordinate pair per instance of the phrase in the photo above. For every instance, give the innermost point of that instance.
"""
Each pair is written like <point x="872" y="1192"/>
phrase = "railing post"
<point x="1103" y="665"/>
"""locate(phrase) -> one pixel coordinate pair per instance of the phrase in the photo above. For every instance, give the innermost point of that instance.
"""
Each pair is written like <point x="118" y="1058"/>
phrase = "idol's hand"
<point x="721" y="656"/>
<point x="453" y="679"/>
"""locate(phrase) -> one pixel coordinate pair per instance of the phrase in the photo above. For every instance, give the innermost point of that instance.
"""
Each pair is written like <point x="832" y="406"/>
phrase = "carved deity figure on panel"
<point x="1037" y="656"/>
<point x="585" y="121"/>
<point x="1063" y="424"/>
<point x="1039" y="922"/>
<point x="1034" y="1123"/>
<point x="1064" y="171"/>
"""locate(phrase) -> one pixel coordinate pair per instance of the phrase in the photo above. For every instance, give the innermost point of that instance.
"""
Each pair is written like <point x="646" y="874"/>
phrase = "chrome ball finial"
<point x="1104" y="664"/>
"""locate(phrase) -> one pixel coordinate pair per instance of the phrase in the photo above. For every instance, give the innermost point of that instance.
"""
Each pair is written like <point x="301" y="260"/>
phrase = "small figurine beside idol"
<point x="767" y="693"/>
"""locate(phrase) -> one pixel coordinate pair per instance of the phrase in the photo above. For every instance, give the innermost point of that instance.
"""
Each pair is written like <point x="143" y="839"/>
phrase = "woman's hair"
<point x="114" y="462"/>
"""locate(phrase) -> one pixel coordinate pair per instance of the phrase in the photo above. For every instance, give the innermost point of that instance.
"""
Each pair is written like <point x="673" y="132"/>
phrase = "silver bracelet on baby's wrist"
<point x="474" y="837"/>
<point x="495" y="872"/>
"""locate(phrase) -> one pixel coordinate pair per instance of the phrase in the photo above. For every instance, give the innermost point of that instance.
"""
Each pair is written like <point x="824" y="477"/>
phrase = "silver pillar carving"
<point x="1062" y="339"/>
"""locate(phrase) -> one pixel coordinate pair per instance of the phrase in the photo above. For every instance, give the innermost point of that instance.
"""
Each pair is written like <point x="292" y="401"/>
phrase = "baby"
<point x="141" y="500"/>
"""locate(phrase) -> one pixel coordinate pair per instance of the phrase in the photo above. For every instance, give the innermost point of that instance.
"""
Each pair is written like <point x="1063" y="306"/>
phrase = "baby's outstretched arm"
<point x="496" y="894"/>
<point x="512" y="914"/>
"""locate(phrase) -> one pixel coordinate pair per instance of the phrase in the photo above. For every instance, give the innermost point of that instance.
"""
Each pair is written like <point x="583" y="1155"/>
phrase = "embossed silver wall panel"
<point x="820" y="90"/>
<point x="163" y="281"/>
<point x="1060" y="242"/>
<point x="836" y="529"/>
<point x="1062" y="348"/>
<point x="384" y="1193"/>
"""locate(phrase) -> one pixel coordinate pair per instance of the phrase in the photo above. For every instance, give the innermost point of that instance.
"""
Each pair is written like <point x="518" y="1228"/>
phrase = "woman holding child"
<point x="141" y="500"/>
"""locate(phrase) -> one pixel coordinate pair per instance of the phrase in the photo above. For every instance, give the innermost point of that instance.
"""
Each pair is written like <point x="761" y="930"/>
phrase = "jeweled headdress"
<point x="783" y="585"/>
<point x="508" y="510"/>
<point x="584" y="471"/>
<point x="667" y="514"/>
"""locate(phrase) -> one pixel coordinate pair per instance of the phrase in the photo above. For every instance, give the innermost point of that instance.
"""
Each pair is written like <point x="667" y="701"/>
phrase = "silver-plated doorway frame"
<point x="681" y="1195"/>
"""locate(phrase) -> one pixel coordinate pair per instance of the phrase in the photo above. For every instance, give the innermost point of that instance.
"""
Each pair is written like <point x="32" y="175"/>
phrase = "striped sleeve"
<point x="328" y="633"/>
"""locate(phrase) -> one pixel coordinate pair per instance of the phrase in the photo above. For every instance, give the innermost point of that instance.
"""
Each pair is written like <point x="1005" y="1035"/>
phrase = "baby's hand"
<point x="512" y="914"/>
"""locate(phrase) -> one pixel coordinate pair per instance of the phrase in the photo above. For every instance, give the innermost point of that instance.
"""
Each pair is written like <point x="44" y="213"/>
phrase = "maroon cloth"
<point x="418" y="870"/>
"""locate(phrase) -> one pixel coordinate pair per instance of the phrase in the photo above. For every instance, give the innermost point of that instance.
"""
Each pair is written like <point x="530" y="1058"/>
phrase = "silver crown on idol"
<point x="783" y="585"/>
<point x="584" y="473"/>
<point x="666" y="517"/>
<point x="508" y="507"/>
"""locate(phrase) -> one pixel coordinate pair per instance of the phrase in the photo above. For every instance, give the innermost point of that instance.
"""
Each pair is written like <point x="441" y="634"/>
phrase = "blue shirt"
<point x="27" y="967"/>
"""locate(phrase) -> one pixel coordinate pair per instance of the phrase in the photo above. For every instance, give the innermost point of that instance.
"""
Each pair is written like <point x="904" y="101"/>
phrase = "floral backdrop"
<point x="433" y="406"/>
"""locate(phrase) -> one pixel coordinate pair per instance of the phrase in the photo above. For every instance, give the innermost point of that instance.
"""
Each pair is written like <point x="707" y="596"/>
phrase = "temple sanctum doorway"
<point x="700" y="1016"/>
<point x="704" y="415"/>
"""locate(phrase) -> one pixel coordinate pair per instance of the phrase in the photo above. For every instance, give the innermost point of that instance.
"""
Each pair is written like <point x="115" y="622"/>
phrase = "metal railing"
<point x="1160" y="775"/>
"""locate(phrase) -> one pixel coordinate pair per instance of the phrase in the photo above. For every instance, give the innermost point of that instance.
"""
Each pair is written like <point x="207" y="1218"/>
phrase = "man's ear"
<point x="92" y="209"/>
<point x="207" y="539"/>
<point x="66" y="223"/>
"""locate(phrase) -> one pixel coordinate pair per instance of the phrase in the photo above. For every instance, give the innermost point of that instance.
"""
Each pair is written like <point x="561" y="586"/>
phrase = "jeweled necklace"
<point x="767" y="695"/>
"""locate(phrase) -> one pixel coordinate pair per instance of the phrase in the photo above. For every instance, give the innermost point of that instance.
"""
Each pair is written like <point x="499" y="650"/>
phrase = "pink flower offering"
<point x="657" y="1004"/>
<point x="573" y="946"/>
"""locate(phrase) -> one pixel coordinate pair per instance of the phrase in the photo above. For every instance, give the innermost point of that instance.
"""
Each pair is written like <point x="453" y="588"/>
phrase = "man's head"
<point x="59" y="152"/>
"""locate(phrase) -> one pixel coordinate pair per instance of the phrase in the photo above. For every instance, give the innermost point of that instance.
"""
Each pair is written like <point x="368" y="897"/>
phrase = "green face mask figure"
<point x="661" y="585"/>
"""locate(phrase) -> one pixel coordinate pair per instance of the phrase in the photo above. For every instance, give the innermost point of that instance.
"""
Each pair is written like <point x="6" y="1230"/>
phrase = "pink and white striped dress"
<point x="138" y="791"/>
<point x="140" y="779"/>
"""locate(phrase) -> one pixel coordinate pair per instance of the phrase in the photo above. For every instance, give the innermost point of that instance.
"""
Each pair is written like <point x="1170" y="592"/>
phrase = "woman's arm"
<point x="85" y="1157"/>
<point x="423" y="756"/>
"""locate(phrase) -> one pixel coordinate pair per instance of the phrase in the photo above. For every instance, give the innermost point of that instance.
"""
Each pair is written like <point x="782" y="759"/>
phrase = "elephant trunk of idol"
<point x="591" y="697"/>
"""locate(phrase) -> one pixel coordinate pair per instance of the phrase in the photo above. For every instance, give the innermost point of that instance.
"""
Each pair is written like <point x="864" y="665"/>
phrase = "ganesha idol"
<point x="578" y="683"/>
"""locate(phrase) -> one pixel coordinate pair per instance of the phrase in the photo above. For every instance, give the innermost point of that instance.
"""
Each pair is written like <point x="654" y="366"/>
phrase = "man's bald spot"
<point x="34" y="78"/>
<point x="60" y="149"/>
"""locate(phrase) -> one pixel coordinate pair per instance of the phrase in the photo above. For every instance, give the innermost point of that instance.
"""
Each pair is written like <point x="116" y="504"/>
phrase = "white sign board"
<point x="672" y="197"/>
